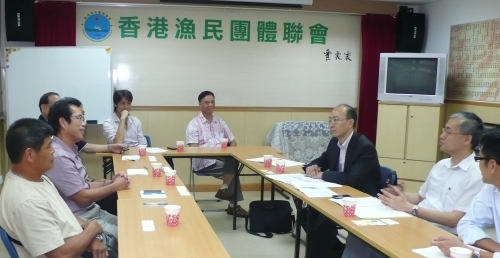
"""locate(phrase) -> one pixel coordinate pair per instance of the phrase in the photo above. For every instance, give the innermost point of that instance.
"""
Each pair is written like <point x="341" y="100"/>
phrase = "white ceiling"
<point x="415" y="2"/>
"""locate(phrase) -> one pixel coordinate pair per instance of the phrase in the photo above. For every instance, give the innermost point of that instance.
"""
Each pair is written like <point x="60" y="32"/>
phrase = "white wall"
<point x="441" y="15"/>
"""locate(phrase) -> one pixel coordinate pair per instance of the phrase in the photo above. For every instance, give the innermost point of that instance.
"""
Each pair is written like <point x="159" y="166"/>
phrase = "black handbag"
<point x="269" y="217"/>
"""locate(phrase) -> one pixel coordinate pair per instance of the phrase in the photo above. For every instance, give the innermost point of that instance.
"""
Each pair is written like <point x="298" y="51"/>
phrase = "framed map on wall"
<point x="474" y="62"/>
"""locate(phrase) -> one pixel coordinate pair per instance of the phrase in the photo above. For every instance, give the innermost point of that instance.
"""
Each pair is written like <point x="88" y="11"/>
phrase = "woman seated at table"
<point x="121" y="127"/>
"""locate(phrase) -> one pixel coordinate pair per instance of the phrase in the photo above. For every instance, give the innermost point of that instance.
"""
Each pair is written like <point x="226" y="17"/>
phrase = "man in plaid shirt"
<point x="207" y="130"/>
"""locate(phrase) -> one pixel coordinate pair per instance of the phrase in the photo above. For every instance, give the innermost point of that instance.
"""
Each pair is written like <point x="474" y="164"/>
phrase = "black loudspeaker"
<point x="19" y="20"/>
<point x="410" y="32"/>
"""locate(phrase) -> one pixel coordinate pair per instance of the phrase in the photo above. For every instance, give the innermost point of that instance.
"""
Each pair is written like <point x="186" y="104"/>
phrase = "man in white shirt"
<point x="31" y="210"/>
<point x="485" y="208"/>
<point x="450" y="186"/>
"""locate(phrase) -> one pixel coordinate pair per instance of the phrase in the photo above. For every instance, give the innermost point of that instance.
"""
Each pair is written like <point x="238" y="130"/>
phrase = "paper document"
<point x="137" y="171"/>
<point x="148" y="225"/>
<point x="369" y="222"/>
<point x="130" y="157"/>
<point x="155" y="150"/>
<point x="288" y="163"/>
<point x="312" y="191"/>
<point x="389" y="221"/>
<point x="183" y="191"/>
<point x="372" y="208"/>
<point x="152" y="158"/>
<point x="430" y="252"/>
<point x="300" y="180"/>
<point x="153" y="194"/>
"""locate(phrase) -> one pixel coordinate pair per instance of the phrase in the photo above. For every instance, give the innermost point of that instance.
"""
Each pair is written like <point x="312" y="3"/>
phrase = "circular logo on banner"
<point x="97" y="26"/>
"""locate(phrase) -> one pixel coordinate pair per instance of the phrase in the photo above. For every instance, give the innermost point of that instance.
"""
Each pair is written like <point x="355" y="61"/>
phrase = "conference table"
<point x="392" y="240"/>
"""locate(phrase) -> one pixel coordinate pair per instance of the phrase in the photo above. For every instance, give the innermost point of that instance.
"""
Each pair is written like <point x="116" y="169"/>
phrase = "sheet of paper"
<point x="152" y="158"/>
<point x="379" y="212"/>
<point x="362" y="202"/>
<point x="300" y="180"/>
<point x="130" y="157"/>
<point x="154" y="203"/>
<point x="148" y="225"/>
<point x="288" y="163"/>
<point x="137" y="171"/>
<point x="312" y="191"/>
<point x="183" y="191"/>
<point x="389" y="221"/>
<point x="368" y="222"/>
<point x="268" y="172"/>
<point x="167" y="169"/>
<point x="153" y="194"/>
<point x="155" y="150"/>
<point x="430" y="252"/>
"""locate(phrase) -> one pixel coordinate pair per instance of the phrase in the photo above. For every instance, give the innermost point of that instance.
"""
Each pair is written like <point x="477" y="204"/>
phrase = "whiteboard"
<point x="172" y="71"/>
<point x="79" y="72"/>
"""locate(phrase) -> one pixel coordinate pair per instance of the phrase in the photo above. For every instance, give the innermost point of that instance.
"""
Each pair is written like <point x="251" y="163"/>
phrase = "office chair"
<point x="9" y="246"/>
<point x="192" y="188"/>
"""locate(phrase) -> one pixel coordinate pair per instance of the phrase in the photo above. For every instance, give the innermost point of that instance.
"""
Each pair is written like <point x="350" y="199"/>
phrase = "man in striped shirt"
<point x="207" y="130"/>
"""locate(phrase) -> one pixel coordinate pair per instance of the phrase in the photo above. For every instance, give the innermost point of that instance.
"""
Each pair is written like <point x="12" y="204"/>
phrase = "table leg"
<point x="261" y="188"/>
<point x="235" y="200"/>
<point x="273" y="187"/>
<point x="298" y="205"/>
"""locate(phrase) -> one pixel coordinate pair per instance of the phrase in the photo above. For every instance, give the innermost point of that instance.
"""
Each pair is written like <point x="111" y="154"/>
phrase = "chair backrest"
<point x="148" y="140"/>
<point x="9" y="246"/>
<point x="387" y="176"/>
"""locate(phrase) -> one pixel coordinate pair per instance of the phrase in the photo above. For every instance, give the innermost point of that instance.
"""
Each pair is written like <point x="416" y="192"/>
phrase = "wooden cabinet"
<point x="408" y="138"/>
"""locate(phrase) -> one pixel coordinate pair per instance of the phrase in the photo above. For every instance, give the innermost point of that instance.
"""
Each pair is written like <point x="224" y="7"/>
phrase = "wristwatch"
<point x="99" y="237"/>
<point x="476" y="254"/>
<point x="414" y="210"/>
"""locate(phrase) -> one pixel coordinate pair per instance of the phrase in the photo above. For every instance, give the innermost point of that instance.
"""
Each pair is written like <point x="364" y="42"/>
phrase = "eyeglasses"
<point x="79" y="117"/>
<point x="447" y="131"/>
<point x="336" y="120"/>
<point x="476" y="158"/>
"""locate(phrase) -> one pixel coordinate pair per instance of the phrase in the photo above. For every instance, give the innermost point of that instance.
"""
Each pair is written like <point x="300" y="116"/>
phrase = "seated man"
<point x="350" y="159"/>
<point x="69" y="175"/>
<point x="47" y="100"/>
<point x="31" y="211"/>
<point x="484" y="210"/>
<point x="207" y="130"/>
<point x="450" y="186"/>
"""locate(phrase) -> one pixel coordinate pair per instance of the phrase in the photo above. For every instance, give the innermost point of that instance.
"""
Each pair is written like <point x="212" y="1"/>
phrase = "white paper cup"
<point x="157" y="168"/>
<point x="460" y="252"/>
<point x="170" y="177"/>
<point x="180" y="146"/>
<point x="224" y="142"/>
<point x="268" y="161"/>
<point x="142" y="150"/>
<point x="349" y="207"/>
<point x="172" y="214"/>
<point x="280" y="166"/>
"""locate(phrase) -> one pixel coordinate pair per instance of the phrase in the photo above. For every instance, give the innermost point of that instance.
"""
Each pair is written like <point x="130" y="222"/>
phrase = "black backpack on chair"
<point x="269" y="217"/>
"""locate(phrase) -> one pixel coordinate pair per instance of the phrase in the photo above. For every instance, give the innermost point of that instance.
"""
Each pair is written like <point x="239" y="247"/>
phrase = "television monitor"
<point x="412" y="77"/>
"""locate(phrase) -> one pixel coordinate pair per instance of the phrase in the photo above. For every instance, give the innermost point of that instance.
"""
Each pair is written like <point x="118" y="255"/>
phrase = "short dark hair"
<point x="45" y="99"/>
<point x="470" y="124"/>
<point x="489" y="144"/>
<point x="204" y="94"/>
<point x="61" y="109"/>
<point x="120" y="94"/>
<point x="23" y="134"/>
<point x="350" y="113"/>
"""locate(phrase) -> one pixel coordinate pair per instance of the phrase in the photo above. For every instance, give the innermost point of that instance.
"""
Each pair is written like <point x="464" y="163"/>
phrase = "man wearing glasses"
<point x="484" y="210"/>
<point x="350" y="159"/>
<point x="47" y="100"/>
<point x="68" y="173"/>
<point x="451" y="185"/>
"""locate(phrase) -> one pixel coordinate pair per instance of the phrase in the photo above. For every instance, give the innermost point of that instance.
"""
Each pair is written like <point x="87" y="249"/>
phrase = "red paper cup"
<point x="170" y="177"/>
<point x="180" y="146"/>
<point x="280" y="166"/>
<point x="460" y="252"/>
<point x="268" y="161"/>
<point x="172" y="215"/>
<point x="349" y="207"/>
<point x="224" y="142"/>
<point x="157" y="168"/>
<point x="142" y="150"/>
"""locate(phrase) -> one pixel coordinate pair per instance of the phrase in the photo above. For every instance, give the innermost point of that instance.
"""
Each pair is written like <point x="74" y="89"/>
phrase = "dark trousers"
<point x="109" y="204"/>
<point x="322" y="241"/>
